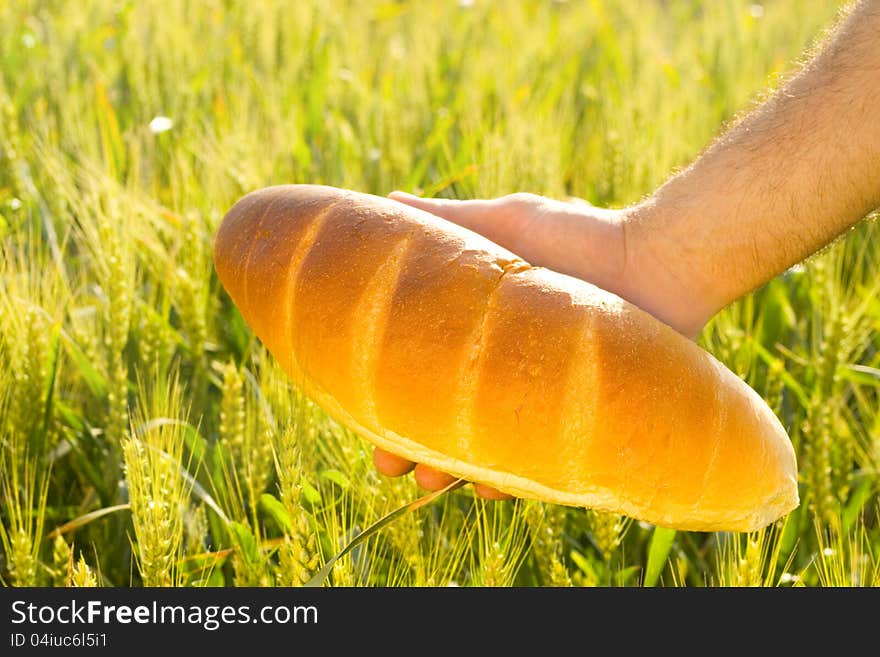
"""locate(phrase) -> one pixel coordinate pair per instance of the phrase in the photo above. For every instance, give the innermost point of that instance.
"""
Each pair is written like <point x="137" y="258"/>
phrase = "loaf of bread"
<point x="440" y="346"/>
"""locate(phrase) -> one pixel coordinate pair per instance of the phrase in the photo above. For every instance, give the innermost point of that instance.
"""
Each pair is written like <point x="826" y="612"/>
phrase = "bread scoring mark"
<point x="580" y="403"/>
<point x="717" y="428"/>
<point x="306" y="242"/>
<point x="466" y="393"/>
<point x="255" y="240"/>
<point x="371" y="318"/>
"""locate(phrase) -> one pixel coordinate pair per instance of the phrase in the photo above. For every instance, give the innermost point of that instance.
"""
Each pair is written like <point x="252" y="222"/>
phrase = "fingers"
<point x="428" y="478"/>
<point x="471" y="214"/>
<point x="431" y="479"/>
<point x="390" y="464"/>
<point x="489" y="493"/>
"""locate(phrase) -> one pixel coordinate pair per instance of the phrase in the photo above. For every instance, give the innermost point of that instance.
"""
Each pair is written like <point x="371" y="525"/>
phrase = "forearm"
<point x="783" y="182"/>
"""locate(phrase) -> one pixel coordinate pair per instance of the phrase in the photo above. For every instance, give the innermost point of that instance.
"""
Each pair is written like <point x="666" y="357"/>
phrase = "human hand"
<point x="428" y="478"/>
<point x="572" y="237"/>
<point x="783" y="182"/>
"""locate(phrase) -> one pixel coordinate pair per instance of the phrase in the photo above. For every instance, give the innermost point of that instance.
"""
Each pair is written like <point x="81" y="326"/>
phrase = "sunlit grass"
<point x="148" y="438"/>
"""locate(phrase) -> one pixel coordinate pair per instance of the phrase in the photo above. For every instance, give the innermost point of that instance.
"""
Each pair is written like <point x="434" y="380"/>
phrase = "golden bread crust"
<point x="440" y="346"/>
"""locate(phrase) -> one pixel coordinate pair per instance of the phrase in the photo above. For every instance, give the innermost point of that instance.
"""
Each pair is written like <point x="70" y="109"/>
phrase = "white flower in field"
<point x="374" y="154"/>
<point x="828" y="552"/>
<point x="161" y="124"/>
<point x="756" y="11"/>
<point x="465" y="4"/>
<point x="15" y="204"/>
<point x="788" y="578"/>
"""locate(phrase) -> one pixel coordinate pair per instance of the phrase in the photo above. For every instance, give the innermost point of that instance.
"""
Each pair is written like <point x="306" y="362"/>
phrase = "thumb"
<point x="471" y="214"/>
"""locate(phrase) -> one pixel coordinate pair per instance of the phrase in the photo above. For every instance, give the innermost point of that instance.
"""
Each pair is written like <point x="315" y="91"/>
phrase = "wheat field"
<point x="149" y="439"/>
